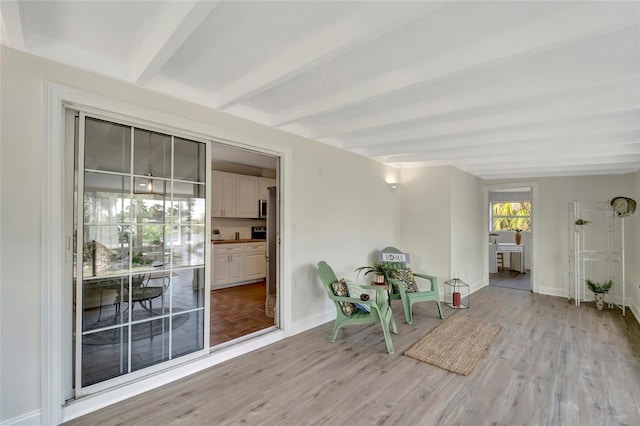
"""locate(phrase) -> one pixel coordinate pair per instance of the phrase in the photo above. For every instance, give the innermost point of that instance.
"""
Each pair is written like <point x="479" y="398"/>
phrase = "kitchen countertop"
<point x="247" y="240"/>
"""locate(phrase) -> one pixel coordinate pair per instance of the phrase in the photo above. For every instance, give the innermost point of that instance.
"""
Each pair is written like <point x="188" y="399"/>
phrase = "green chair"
<point x="380" y="309"/>
<point x="410" y="298"/>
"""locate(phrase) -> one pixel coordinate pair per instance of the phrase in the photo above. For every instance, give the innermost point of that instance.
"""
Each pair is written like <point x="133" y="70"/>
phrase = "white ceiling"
<point x="498" y="89"/>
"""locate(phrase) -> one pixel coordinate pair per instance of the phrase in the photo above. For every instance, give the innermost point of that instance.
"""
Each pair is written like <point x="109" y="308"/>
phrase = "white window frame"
<point x="492" y="216"/>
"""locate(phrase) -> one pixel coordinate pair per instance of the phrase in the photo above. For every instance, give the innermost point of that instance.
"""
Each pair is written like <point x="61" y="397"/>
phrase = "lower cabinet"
<point x="238" y="262"/>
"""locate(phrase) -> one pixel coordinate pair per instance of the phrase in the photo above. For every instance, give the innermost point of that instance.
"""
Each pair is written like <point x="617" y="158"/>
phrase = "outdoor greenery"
<point x="597" y="287"/>
<point x="511" y="216"/>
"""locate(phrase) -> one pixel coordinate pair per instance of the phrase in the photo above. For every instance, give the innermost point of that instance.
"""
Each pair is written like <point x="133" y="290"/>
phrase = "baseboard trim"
<point x="552" y="291"/>
<point x="314" y="321"/>
<point x="30" y="419"/>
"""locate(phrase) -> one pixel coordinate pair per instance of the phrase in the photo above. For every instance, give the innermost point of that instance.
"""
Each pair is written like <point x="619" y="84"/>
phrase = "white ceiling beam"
<point x="486" y="100"/>
<point x="542" y="169"/>
<point x="507" y="142"/>
<point x="547" y="171"/>
<point x="362" y="26"/>
<point x="12" y="20"/>
<point x="561" y="28"/>
<point x="531" y="127"/>
<point x="525" y="154"/>
<point x="610" y="163"/>
<point x="178" y="21"/>
<point x="553" y="146"/>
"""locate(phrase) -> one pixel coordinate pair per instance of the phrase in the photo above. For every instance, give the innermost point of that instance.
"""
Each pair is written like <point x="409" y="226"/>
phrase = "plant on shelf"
<point x="381" y="270"/>
<point x="599" y="290"/>
<point x="582" y="222"/>
<point x="216" y="234"/>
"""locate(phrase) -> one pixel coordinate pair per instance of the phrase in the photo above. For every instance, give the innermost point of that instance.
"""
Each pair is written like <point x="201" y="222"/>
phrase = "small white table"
<point x="511" y="248"/>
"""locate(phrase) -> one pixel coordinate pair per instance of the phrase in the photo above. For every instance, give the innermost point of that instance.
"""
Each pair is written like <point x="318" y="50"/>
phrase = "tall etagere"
<point x="596" y="250"/>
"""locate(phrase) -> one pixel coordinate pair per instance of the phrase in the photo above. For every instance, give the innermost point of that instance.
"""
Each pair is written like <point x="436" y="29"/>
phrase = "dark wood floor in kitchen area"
<point x="238" y="311"/>
<point x="551" y="364"/>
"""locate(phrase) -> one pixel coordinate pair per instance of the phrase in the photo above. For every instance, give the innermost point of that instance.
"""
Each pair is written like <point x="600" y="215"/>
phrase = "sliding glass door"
<point x="139" y="267"/>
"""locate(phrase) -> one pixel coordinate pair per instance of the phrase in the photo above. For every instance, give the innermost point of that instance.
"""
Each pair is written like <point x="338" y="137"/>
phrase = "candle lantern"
<point x="456" y="293"/>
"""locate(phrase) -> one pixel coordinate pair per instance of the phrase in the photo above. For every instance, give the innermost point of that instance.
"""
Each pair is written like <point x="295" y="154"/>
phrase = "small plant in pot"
<point x="379" y="269"/>
<point x="216" y="234"/>
<point x="599" y="291"/>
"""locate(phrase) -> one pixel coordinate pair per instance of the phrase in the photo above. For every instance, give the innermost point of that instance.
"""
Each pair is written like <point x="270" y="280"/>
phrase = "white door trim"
<point x="55" y="97"/>
<point x="535" y="208"/>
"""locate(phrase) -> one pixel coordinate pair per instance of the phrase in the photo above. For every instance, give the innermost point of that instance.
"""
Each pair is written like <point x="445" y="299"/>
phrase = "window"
<point x="510" y="216"/>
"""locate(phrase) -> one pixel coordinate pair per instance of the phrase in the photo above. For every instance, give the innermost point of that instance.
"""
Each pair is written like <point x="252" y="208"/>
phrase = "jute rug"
<point x="456" y="345"/>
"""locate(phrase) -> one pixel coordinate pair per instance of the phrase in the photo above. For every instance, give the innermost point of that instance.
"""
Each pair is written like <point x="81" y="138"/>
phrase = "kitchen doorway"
<point x="244" y="241"/>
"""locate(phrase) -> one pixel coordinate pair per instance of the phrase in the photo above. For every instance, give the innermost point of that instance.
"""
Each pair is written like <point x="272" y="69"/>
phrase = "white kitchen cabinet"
<point x="254" y="261"/>
<point x="238" y="263"/>
<point x="220" y="269"/>
<point x="223" y="194"/>
<point x="234" y="195"/>
<point x="263" y="184"/>
<point x="246" y="196"/>
<point x="236" y="267"/>
<point x="227" y="264"/>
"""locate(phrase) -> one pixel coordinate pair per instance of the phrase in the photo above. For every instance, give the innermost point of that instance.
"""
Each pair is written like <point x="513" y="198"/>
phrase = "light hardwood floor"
<point x="511" y="279"/>
<point x="552" y="364"/>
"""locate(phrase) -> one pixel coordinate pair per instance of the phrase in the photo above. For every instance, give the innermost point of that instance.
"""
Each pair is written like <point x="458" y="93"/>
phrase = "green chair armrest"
<point x="380" y="289"/>
<point x="431" y="278"/>
<point x="346" y="299"/>
<point x="425" y="276"/>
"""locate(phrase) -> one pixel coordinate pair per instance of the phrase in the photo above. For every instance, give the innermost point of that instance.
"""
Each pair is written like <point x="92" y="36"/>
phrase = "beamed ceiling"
<point x="497" y="89"/>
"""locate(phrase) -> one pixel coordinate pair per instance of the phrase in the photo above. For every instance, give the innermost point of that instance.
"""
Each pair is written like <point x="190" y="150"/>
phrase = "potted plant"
<point x="379" y="269"/>
<point x="599" y="290"/>
<point x="216" y="234"/>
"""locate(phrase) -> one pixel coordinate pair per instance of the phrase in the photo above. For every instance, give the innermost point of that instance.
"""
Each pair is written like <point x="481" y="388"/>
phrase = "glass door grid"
<point x="140" y="249"/>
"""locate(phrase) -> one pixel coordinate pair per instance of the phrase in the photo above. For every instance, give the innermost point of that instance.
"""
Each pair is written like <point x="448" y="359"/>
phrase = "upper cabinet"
<point x="223" y="194"/>
<point x="234" y="195"/>
<point x="263" y="184"/>
<point x="246" y="196"/>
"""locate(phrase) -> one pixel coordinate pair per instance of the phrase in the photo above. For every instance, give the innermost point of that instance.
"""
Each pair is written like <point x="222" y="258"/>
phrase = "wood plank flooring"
<point x="511" y="279"/>
<point x="552" y="364"/>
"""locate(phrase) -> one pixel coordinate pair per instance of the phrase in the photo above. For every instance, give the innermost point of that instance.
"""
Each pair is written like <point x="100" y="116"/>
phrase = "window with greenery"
<point x="511" y="216"/>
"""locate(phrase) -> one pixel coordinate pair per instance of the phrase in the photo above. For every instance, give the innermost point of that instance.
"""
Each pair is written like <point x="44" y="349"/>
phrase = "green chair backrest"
<point x="393" y="250"/>
<point x="326" y="274"/>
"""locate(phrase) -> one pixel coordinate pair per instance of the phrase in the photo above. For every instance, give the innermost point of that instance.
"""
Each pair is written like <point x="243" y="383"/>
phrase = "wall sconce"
<point x="393" y="185"/>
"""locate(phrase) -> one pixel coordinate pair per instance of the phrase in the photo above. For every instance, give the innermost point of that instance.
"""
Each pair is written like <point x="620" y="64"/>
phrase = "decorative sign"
<point x="394" y="257"/>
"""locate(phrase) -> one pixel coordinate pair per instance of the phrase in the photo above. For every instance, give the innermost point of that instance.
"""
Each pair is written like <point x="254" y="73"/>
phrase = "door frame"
<point x="535" y="206"/>
<point x="54" y="248"/>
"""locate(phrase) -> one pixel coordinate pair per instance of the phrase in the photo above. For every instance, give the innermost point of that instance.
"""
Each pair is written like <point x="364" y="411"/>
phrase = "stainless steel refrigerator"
<point x="271" y="304"/>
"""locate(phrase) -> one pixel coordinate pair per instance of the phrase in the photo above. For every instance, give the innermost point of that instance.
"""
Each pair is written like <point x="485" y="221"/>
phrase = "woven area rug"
<point x="456" y="345"/>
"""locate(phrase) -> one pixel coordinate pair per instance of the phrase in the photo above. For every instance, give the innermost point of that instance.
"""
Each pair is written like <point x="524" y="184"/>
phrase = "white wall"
<point x="468" y="228"/>
<point x="426" y="222"/>
<point x="552" y="223"/>
<point x="442" y="224"/>
<point x="332" y="196"/>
